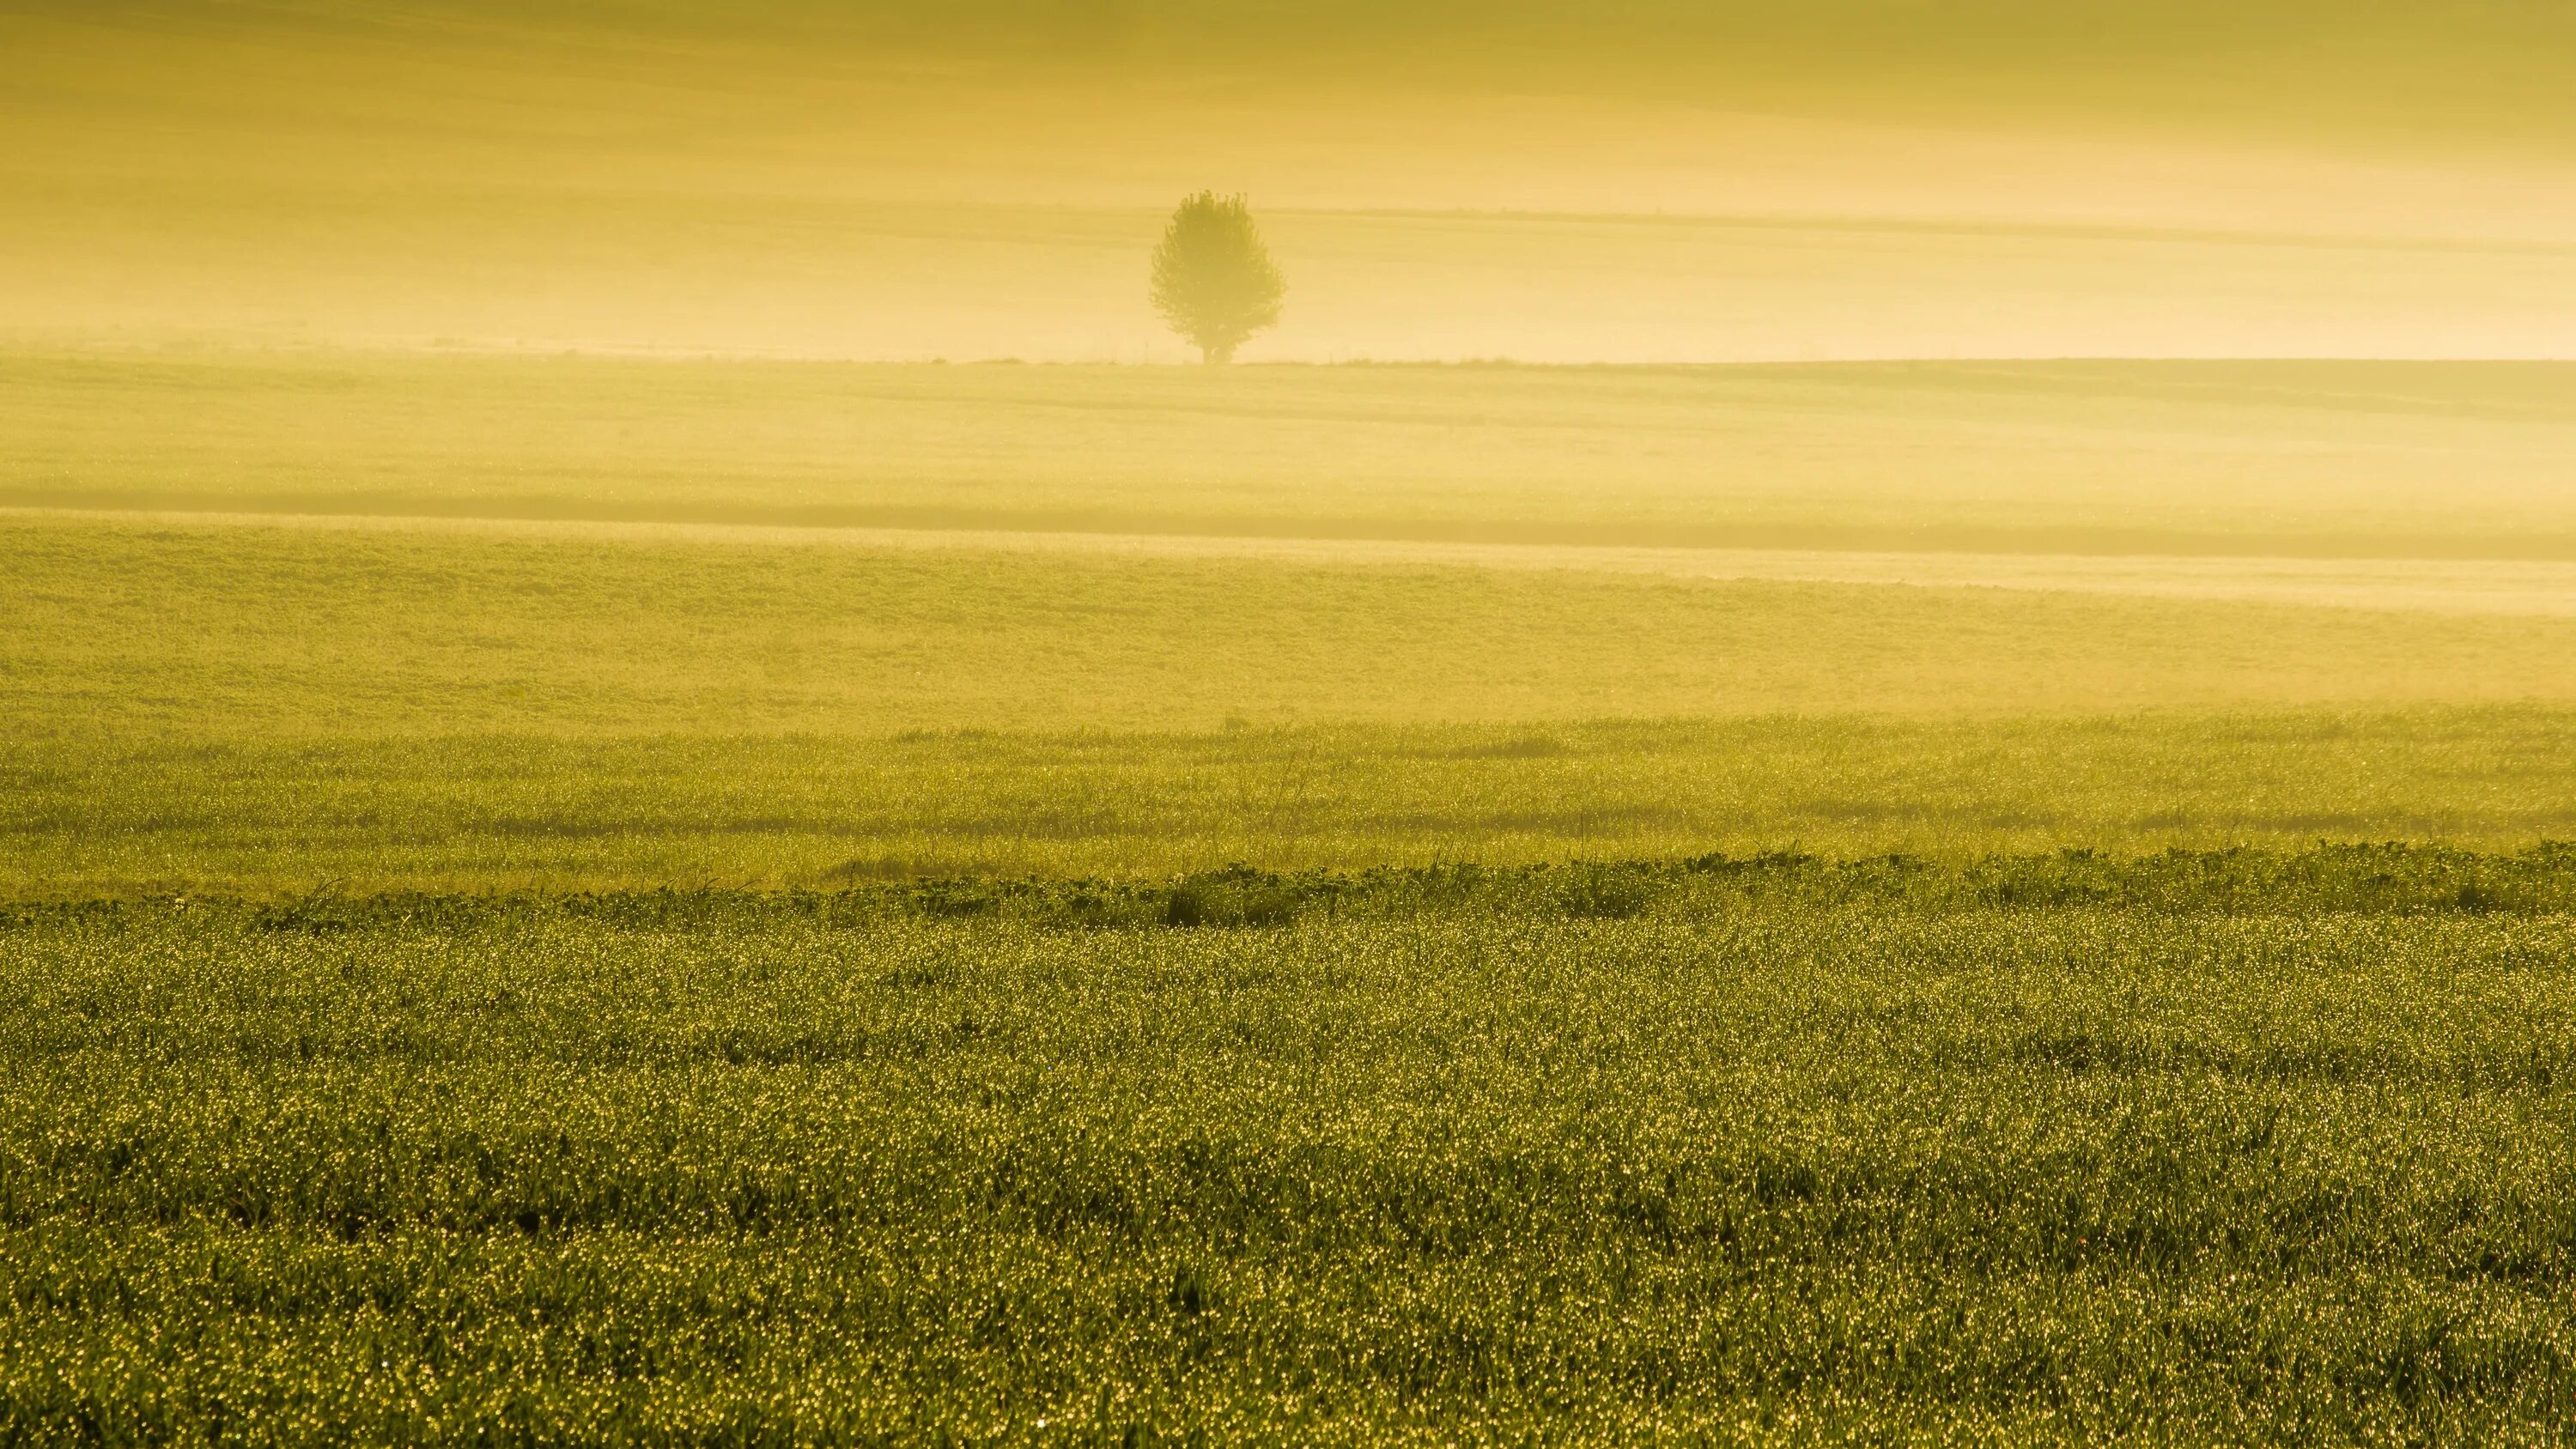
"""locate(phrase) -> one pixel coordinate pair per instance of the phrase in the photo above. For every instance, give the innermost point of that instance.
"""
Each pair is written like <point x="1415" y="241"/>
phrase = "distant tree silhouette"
<point x="1213" y="279"/>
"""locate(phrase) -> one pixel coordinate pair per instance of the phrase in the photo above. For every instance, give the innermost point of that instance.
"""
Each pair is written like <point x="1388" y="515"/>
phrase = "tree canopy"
<point x="1214" y="281"/>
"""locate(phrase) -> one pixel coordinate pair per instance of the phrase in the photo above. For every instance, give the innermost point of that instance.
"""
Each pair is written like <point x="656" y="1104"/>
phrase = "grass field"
<point x="602" y="901"/>
<point x="1861" y="730"/>
<point x="490" y="812"/>
<point x="462" y="708"/>
<point x="2233" y="1149"/>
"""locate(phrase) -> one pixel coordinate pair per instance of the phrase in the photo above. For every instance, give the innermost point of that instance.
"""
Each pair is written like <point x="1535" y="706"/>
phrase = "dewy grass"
<point x="2242" y="1148"/>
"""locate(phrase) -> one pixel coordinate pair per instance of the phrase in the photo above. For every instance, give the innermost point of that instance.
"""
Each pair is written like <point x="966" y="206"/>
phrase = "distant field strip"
<point x="134" y="631"/>
<point x="2470" y="586"/>
<point x="2316" y="460"/>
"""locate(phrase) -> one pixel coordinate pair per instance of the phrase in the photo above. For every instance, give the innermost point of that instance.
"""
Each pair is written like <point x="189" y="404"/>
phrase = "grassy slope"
<point x="132" y="630"/>
<point x="683" y="1168"/>
<point x="2302" y="458"/>
<point x="268" y="708"/>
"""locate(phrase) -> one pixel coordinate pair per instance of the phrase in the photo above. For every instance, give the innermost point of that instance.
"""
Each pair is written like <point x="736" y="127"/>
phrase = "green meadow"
<point x="462" y="622"/>
<point x="2222" y="1150"/>
<point x="1857" y="728"/>
<point x="624" y="901"/>
<point x="270" y="708"/>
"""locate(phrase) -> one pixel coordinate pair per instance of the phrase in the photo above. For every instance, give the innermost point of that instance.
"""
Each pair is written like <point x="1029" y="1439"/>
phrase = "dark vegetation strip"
<point x="2389" y="879"/>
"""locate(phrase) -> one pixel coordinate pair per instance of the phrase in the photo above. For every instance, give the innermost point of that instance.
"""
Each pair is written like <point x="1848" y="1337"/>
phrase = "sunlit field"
<point x="2252" y="1150"/>
<point x="614" y="622"/>
<point x="441" y="706"/>
<point x="591" y="900"/>
<point x="1819" y="722"/>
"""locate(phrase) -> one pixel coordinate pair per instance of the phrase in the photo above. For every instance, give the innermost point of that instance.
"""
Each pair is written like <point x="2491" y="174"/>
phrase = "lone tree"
<point x="1213" y="279"/>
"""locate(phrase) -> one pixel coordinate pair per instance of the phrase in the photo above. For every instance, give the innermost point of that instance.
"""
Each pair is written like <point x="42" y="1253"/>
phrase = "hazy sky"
<point x="1787" y="178"/>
